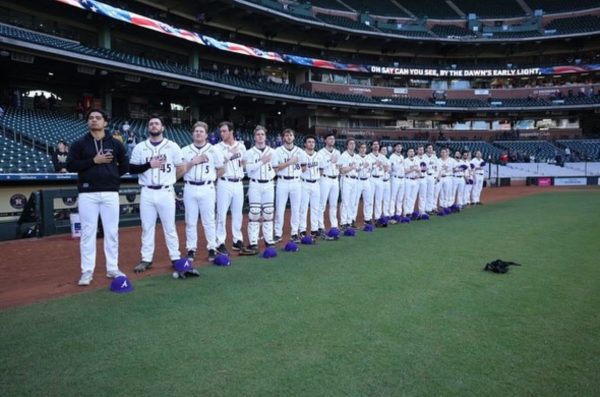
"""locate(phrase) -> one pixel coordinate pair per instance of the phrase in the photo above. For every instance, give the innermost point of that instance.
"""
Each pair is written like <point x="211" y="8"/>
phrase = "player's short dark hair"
<point x="228" y="124"/>
<point x="375" y="140"/>
<point x="97" y="110"/>
<point x="420" y="146"/>
<point x="398" y="143"/>
<point x="329" y="133"/>
<point x="350" y="140"/>
<point x="429" y="144"/>
<point x="157" y="117"/>
<point x="362" y="144"/>
<point x="310" y="137"/>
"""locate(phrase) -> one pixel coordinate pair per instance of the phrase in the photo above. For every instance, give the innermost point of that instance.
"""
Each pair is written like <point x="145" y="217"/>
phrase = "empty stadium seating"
<point x="582" y="148"/>
<point x="582" y="24"/>
<point x="432" y="9"/>
<point x="345" y="22"/>
<point x="542" y="150"/>
<point x="17" y="158"/>
<point x="552" y="6"/>
<point x="451" y="30"/>
<point x="331" y="4"/>
<point x="376" y="7"/>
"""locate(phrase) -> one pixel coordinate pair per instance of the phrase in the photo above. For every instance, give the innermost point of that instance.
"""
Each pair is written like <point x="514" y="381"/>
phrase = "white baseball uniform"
<point x="422" y="182"/>
<point x="446" y="177"/>
<point x="397" y="188"/>
<point x="157" y="195"/>
<point x="329" y="186"/>
<point x="199" y="195"/>
<point x="363" y="188"/>
<point x="261" y="193"/>
<point x="458" y="184"/>
<point x="431" y="176"/>
<point x="411" y="184"/>
<point x="288" y="186"/>
<point x="348" y="187"/>
<point x="379" y="163"/>
<point x="468" y="184"/>
<point x="230" y="190"/>
<point x="387" y="191"/>
<point x="478" y="178"/>
<point x="311" y="190"/>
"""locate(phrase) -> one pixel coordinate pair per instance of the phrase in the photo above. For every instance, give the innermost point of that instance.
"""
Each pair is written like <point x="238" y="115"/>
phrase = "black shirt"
<point x="59" y="159"/>
<point x="97" y="177"/>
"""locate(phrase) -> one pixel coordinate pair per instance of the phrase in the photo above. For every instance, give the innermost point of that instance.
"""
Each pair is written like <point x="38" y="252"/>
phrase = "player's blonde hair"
<point x="200" y="124"/>
<point x="260" y="128"/>
<point x="288" y="131"/>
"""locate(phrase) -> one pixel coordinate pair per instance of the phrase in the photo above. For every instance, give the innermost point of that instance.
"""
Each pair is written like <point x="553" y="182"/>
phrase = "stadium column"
<point x="104" y="38"/>
<point x="194" y="59"/>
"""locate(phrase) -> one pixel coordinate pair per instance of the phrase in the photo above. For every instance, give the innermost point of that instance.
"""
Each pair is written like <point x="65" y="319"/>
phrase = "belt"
<point x="386" y="180"/>
<point x="232" y="179"/>
<point x="309" y="180"/>
<point x="261" y="180"/>
<point x="288" y="178"/>
<point x="412" y="179"/>
<point x="375" y="176"/>
<point x="479" y="173"/>
<point x="198" y="183"/>
<point x="157" y="187"/>
<point x="429" y="174"/>
<point x="459" y="176"/>
<point x="398" y="177"/>
<point x="364" y="179"/>
<point x="330" y="177"/>
<point x="422" y="177"/>
<point x="348" y="176"/>
<point x="445" y="176"/>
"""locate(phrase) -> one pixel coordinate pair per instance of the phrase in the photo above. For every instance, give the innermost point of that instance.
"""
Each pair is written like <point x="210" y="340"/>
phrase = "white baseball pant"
<point x="431" y="205"/>
<point x="348" y="199"/>
<point x="422" y="193"/>
<point x="363" y="189"/>
<point x="411" y="189"/>
<point x="458" y="186"/>
<point x="229" y="194"/>
<point x="396" y="195"/>
<point x="200" y="200"/>
<point x="330" y="194"/>
<point x="311" y="196"/>
<point x="291" y="189"/>
<point x="446" y="190"/>
<point x="105" y="204"/>
<point x="387" y="188"/>
<point x="159" y="202"/>
<point x="467" y="193"/>
<point x="377" y="195"/>
<point x="477" y="187"/>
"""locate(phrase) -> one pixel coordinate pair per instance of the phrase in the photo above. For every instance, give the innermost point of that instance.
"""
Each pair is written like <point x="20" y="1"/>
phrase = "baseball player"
<point x="157" y="195"/>
<point x="412" y="172"/>
<point x="386" y="184"/>
<point x="286" y="162"/>
<point x="99" y="161"/>
<point x="199" y="193"/>
<point x="230" y="190"/>
<point x="349" y="163"/>
<point x="458" y="182"/>
<point x="422" y="182"/>
<point x="479" y="175"/>
<point x="468" y="179"/>
<point x="397" y="175"/>
<point x="261" y="191"/>
<point x="445" y="179"/>
<point x="380" y="164"/>
<point x="363" y="185"/>
<point x="329" y="183"/>
<point x="311" y="192"/>
<point x="432" y="172"/>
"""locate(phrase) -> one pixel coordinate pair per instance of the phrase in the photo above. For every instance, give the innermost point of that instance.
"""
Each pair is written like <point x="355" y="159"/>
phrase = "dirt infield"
<point x="39" y="269"/>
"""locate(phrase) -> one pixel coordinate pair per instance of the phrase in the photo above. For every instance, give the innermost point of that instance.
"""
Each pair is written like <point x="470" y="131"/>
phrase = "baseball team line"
<point x="394" y="189"/>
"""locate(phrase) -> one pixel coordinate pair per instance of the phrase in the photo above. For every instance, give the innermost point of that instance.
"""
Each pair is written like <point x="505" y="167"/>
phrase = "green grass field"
<point x="399" y="312"/>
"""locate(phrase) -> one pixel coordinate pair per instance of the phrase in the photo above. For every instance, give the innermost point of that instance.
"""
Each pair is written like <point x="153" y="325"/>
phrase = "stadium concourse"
<point x="60" y="271"/>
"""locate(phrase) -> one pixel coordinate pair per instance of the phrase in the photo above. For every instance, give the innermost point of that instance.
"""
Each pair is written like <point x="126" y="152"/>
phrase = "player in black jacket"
<point x="99" y="161"/>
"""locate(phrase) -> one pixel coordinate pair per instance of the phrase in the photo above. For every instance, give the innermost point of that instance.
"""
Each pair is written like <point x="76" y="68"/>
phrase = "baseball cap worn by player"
<point x="121" y="285"/>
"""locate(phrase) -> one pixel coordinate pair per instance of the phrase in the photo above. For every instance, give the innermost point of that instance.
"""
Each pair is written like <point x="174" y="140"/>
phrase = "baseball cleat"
<point x="142" y="267"/>
<point x="86" y="279"/>
<point x="353" y="225"/>
<point x="295" y="238"/>
<point x="191" y="254"/>
<point x="238" y="246"/>
<point x="115" y="274"/>
<point x="211" y="255"/>
<point x="221" y="249"/>
<point x="277" y="239"/>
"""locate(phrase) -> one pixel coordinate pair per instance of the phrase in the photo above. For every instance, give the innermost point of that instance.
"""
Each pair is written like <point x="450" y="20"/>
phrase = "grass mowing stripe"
<point x="402" y="311"/>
